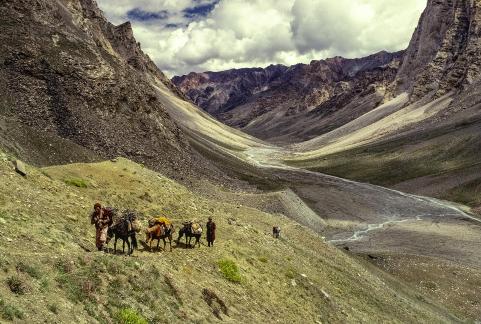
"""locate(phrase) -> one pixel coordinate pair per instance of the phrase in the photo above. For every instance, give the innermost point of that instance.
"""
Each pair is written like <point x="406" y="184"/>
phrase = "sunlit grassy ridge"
<point x="46" y="239"/>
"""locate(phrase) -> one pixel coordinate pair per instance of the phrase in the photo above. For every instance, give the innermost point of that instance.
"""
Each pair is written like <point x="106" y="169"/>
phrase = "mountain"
<point x="425" y="140"/>
<point x="74" y="87"/>
<point x="297" y="102"/>
<point x="443" y="53"/>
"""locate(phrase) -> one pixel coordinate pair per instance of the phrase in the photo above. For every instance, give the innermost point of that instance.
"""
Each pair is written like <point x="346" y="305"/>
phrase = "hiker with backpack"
<point x="102" y="219"/>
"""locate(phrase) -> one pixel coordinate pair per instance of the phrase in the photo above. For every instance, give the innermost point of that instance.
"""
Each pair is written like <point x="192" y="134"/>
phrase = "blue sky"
<point x="199" y="35"/>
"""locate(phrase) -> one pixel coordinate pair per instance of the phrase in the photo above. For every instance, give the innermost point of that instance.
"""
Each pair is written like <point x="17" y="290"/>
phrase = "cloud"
<point x="198" y="35"/>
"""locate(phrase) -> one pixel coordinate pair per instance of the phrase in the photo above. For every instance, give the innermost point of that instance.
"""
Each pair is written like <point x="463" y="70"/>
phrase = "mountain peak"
<point x="443" y="54"/>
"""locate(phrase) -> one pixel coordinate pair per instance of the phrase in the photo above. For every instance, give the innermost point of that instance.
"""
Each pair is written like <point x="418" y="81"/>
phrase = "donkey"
<point x="159" y="232"/>
<point x="190" y="230"/>
<point x="125" y="229"/>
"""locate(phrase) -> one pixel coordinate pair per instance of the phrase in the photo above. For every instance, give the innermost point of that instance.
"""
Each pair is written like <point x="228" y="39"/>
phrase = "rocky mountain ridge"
<point x="244" y="97"/>
<point x="73" y="79"/>
<point x="443" y="53"/>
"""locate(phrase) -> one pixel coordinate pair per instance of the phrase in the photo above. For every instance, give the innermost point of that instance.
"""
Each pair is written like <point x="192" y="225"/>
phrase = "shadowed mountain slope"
<point x="73" y="87"/>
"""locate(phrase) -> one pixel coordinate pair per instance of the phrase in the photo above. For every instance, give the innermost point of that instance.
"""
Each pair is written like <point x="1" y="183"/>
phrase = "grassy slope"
<point x="446" y="153"/>
<point x="45" y="233"/>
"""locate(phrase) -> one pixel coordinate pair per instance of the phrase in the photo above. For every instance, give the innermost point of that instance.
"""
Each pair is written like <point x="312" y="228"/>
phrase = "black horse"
<point x="190" y="233"/>
<point x="125" y="229"/>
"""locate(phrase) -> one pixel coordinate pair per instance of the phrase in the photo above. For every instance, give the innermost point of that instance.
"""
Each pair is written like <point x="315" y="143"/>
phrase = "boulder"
<point x="20" y="168"/>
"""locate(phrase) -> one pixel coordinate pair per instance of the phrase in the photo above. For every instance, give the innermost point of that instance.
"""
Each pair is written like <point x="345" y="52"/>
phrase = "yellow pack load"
<point x="164" y="220"/>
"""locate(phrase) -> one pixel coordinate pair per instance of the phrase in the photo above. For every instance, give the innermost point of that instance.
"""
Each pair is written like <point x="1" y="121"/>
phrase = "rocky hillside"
<point x="276" y="101"/>
<point x="49" y="272"/>
<point x="443" y="53"/>
<point x="74" y="87"/>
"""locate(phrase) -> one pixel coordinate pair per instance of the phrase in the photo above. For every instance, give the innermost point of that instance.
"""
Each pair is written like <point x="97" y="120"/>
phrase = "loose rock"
<point x="20" y="168"/>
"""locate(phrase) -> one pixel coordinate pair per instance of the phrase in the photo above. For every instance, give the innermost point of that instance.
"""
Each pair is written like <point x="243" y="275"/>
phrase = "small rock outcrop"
<point x="20" y="168"/>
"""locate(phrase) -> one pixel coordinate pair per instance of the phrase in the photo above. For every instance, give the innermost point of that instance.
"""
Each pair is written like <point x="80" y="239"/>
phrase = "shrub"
<point x="130" y="316"/>
<point x="17" y="285"/>
<point x="230" y="270"/>
<point x="76" y="182"/>
<point x="263" y="259"/>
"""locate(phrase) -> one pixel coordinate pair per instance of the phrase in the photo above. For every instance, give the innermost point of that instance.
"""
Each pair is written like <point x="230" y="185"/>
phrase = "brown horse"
<point x="159" y="232"/>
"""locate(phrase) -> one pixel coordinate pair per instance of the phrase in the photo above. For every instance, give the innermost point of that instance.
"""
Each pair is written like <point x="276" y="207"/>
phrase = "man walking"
<point x="210" y="232"/>
<point x="101" y="220"/>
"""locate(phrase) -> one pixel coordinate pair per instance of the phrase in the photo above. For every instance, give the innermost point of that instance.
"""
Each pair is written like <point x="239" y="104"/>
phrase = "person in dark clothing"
<point x="210" y="232"/>
<point x="100" y="218"/>
<point x="276" y="231"/>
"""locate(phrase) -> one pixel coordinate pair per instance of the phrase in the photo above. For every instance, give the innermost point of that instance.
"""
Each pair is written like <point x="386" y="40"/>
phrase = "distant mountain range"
<point x="296" y="102"/>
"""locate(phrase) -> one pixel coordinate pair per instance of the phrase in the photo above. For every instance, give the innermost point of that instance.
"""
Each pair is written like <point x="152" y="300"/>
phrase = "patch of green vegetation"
<point x="44" y="285"/>
<point x="76" y="182"/>
<point x="17" y="285"/>
<point x="263" y="259"/>
<point x="230" y="270"/>
<point x="468" y="193"/>
<point x="80" y="283"/>
<point x="130" y="316"/>
<point x="10" y="312"/>
<point x="291" y="273"/>
<point x="28" y="269"/>
<point x="4" y="263"/>
<point x="391" y="162"/>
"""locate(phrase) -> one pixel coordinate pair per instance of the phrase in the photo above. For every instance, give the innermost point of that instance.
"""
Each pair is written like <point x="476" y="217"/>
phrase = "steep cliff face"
<point x="70" y="77"/>
<point x="247" y="98"/>
<point x="443" y="54"/>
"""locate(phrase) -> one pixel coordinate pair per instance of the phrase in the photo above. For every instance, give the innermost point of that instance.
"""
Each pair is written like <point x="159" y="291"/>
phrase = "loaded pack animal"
<point x="190" y="230"/>
<point x="159" y="231"/>
<point x="125" y="228"/>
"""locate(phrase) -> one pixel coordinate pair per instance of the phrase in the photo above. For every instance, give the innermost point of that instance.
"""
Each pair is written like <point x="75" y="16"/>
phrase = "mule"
<point x="124" y="229"/>
<point x="189" y="234"/>
<point x="159" y="232"/>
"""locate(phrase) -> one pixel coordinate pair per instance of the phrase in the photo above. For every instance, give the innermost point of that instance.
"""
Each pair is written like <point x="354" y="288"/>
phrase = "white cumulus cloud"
<point x="201" y="35"/>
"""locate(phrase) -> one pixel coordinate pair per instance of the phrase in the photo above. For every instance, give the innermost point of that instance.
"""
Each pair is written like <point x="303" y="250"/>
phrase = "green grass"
<point x="130" y="316"/>
<point x="28" y="269"/>
<point x="230" y="270"/>
<point x="263" y="259"/>
<point x="9" y="312"/>
<point x="468" y="193"/>
<point x="80" y="283"/>
<point x="77" y="182"/>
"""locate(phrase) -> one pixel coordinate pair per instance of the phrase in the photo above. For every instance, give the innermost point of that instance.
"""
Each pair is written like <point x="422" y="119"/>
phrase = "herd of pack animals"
<point x="127" y="226"/>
